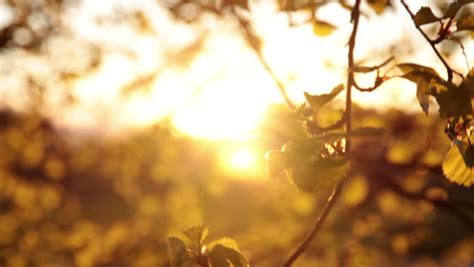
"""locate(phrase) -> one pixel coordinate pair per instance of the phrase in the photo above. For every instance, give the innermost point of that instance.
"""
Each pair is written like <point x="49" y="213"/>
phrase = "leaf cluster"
<point x="223" y="252"/>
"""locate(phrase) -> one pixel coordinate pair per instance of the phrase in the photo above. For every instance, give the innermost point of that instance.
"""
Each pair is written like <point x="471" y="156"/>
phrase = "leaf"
<point x="319" y="175"/>
<point x="427" y="81"/>
<point x="317" y="101"/>
<point x="413" y="71"/>
<point x="293" y="5"/>
<point x="378" y="5"/>
<point x="226" y="242"/>
<point x="424" y="16"/>
<point x="323" y="28"/>
<point x="454" y="8"/>
<point x="276" y="162"/>
<point x="458" y="167"/>
<point x="455" y="102"/>
<point x="300" y="151"/>
<point x="422" y="95"/>
<point x="179" y="257"/>
<point x="468" y="83"/>
<point x="241" y="3"/>
<point x="197" y="234"/>
<point x="221" y="256"/>
<point x="465" y="24"/>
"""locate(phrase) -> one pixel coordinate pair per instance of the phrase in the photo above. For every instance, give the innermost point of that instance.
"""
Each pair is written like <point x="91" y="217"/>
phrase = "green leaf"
<point x="221" y="256"/>
<point x="319" y="175"/>
<point x="318" y="101"/>
<point x="454" y="8"/>
<point x="322" y="28"/>
<point x="378" y="5"/>
<point x="197" y="234"/>
<point x="458" y="167"/>
<point x="465" y="24"/>
<point x="179" y="257"/>
<point x="300" y="151"/>
<point x="276" y="162"/>
<point x="424" y="16"/>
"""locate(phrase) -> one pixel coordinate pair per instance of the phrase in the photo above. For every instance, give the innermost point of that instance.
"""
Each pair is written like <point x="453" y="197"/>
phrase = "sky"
<point x="223" y="93"/>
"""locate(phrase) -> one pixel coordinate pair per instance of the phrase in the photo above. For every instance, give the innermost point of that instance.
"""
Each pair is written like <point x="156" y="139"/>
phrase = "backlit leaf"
<point x="276" y="162"/>
<point x="458" y="167"/>
<point x="241" y="3"/>
<point x="197" y="234"/>
<point x="466" y="23"/>
<point x="422" y="95"/>
<point x="454" y="102"/>
<point x="468" y="83"/>
<point x="424" y="16"/>
<point x="427" y="81"/>
<point x="226" y="242"/>
<point x="322" y="28"/>
<point x="378" y="5"/>
<point x="293" y="5"/>
<point x="221" y="256"/>
<point x="317" y="101"/>
<point x="319" y="175"/>
<point x="455" y="6"/>
<point x="300" y="151"/>
<point x="179" y="257"/>
<point x="413" y="71"/>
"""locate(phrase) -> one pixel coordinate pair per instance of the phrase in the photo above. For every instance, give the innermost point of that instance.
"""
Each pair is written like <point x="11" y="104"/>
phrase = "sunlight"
<point x="223" y="93"/>
<point x="241" y="161"/>
<point x="228" y="108"/>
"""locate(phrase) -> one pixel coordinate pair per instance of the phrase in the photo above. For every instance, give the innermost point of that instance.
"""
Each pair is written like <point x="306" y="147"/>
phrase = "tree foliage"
<point x="78" y="201"/>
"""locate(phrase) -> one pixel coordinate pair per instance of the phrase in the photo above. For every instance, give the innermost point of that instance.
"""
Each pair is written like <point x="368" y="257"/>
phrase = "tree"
<point x="112" y="201"/>
<point x="321" y="159"/>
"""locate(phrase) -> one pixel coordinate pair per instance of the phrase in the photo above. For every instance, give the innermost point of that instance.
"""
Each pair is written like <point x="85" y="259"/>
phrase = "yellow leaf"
<point x="455" y="169"/>
<point x="323" y="28"/>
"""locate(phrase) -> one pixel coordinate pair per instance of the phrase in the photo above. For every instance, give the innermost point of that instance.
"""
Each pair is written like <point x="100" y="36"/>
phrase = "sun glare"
<point x="242" y="159"/>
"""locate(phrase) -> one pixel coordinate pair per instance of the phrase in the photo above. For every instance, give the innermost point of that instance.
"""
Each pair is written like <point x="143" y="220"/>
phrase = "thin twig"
<point x="365" y="69"/>
<point x="449" y="70"/>
<point x="338" y="188"/>
<point x="317" y="226"/>
<point x="463" y="51"/>
<point x="255" y="43"/>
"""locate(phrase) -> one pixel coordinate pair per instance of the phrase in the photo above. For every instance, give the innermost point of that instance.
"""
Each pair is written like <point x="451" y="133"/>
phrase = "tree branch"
<point x="317" y="226"/>
<point x="255" y="43"/>
<point x="348" y="113"/>
<point x="449" y="70"/>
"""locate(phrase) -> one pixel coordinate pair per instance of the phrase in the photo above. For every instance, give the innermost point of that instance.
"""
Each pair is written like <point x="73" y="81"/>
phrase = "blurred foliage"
<point x="72" y="200"/>
<point x="78" y="201"/>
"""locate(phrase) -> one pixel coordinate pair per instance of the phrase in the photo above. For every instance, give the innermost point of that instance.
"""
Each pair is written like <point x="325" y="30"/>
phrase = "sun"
<point x="242" y="159"/>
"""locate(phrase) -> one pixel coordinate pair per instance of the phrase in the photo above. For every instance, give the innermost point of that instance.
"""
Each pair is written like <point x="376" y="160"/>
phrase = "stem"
<point x="348" y="116"/>
<point x="432" y="44"/>
<point x="254" y="42"/>
<point x="319" y="223"/>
